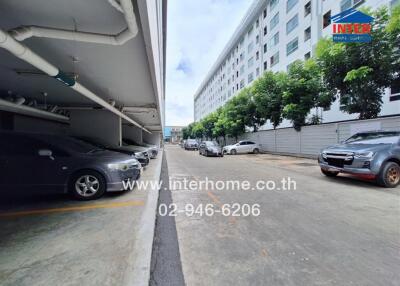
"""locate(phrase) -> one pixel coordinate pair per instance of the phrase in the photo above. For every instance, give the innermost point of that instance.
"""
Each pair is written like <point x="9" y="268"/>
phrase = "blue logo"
<point x="352" y="26"/>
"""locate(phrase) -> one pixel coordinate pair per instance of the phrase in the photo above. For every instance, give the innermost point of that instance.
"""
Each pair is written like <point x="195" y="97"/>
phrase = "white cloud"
<point x="197" y="32"/>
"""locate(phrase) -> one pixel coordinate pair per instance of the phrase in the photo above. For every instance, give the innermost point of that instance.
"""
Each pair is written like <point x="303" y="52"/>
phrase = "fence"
<point x="311" y="139"/>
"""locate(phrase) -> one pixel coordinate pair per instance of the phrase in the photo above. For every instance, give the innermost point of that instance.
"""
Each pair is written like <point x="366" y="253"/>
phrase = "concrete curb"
<point x="138" y="273"/>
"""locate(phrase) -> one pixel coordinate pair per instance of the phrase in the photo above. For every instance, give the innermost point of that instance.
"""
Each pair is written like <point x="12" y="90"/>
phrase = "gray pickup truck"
<point x="371" y="155"/>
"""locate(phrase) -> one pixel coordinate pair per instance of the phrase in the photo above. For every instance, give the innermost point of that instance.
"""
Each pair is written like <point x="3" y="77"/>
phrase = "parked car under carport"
<point x="144" y="161"/>
<point x="53" y="163"/>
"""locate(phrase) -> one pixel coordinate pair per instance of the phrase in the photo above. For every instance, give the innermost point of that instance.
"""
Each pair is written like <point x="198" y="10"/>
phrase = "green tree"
<point x="219" y="129"/>
<point x="268" y="91"/>
<point x="304" y="90"/>
<point x="208" y="123"/>
<point x="252" y="116"/>
<point x="198" y="130"/>
<point x="235" y="113"/>
<point x="361" y="71"/>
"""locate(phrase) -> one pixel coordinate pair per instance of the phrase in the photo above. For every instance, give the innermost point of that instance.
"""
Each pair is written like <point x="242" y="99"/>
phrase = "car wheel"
<point x="87" y="185"/>
<point x="256" y="151"/>
<point x="329" y="173"/>
<point x="207" y="154"/>
<point x="233" y="152"/>
<point x="389" y="177"/>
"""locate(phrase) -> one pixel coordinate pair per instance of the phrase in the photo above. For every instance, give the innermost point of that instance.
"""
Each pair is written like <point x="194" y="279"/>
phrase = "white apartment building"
<point x="272" y="35"/>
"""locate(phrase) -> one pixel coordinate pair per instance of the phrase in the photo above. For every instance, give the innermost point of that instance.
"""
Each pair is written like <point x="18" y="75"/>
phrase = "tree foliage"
<point x="304" y="90"/>
<point x="361" y="71"/>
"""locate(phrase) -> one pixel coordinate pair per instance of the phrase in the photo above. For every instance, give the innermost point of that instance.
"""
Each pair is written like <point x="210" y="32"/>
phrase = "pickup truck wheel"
<point x="233" y="152"/>
<point x="87" y="185"/>
<point x="389" y="177"/>
<point x="329" y="173"/>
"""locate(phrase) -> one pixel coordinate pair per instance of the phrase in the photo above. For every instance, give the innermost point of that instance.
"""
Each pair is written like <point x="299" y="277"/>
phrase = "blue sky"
<point x="197" y="32"/>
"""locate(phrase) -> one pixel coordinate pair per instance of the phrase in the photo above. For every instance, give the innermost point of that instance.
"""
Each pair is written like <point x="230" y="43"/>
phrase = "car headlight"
<point x="364" y="155"/>
<point x="324" y="155"/>
<point x="118" y="166"/>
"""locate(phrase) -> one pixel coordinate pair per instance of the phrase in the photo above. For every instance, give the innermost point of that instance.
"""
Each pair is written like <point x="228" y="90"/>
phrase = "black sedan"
<point x="210" y="148"/>
<point x="54" y="163"/>
<point x="140" y="156"/>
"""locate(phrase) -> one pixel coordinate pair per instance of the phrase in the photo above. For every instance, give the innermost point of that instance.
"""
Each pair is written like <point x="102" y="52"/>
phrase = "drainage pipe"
<point x="23" y="52"/>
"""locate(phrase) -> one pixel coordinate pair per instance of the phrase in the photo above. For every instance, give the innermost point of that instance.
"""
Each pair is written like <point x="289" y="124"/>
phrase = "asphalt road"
<point x="327" y="231"/>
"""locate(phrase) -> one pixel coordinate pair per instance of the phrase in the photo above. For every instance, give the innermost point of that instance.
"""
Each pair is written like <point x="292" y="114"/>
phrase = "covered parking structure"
<point x="93" y="68"/>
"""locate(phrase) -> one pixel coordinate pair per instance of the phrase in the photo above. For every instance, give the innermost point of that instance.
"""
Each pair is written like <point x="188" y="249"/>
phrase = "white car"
<point x="242" y="147"/>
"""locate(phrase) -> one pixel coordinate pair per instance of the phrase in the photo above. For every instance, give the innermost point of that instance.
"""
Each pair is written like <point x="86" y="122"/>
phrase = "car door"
<point x="242" y="147"/>
<point x="251" y="146"/>
<point x="20" y="168"/>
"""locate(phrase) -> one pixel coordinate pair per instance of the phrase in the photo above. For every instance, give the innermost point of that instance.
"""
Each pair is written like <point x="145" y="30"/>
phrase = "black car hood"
<point x="107" y="154"/>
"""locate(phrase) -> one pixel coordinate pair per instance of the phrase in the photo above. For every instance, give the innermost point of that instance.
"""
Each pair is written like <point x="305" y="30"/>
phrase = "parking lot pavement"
<point x="327" y="231"/>
<point x="53" y="240"/>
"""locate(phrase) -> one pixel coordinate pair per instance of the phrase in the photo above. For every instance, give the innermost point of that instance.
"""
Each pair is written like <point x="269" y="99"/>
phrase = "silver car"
<point x="242" y="147"/>
<point x="372" y="155"/>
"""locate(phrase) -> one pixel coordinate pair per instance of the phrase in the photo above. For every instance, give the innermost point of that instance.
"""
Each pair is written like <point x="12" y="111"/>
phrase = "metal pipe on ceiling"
<point x="21" y="51"/>
<point x="31" y="111"/>
<point x="25" y="32"/>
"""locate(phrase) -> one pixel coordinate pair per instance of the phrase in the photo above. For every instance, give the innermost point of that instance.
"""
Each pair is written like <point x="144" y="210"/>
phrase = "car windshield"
<point x="374" y="138"/>
<point x="191" y="141"/>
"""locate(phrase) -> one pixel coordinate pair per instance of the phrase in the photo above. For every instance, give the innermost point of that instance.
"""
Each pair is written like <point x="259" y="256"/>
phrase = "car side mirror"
<point x="46" y="153"/>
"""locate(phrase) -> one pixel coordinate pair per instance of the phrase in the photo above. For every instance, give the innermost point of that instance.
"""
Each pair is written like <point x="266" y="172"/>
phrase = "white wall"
<point x="132" y="132"/>
<point x="311" y="139"/>
<point x="153" y="138"/>
<point x="100" y="124"/>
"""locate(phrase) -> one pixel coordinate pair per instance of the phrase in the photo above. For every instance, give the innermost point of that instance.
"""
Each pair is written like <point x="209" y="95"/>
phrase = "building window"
<point x="257" y="23"/>
<point x="242" y="83"/>
<point x="250" y="62"/>
<point x="307" y="34"/>
<point x="327" y="19"/>
<point x="265" y="48"/>
<point x="265" y="65"/>
<point x="345" y="4"/>
<point x="274" y="59"/>
<point x="265" y="13"/>
<point x="307" y="9"/>
<point x="250" y="78"/>
<point x="257" y="55"/>
<point x="292" y="24"/>
<point x="257" y="71"/>
<point x="242" y="70"/>
<point x="237" y="74"/>
<point x="257" y="39"/>
<point x="307" y="56"/>
<point x="290" y="4"/>
<point x="250" y="47"/>
<point x="273" y="4"/>
<point x="241" y="57"/>
<point x="250" y="31"/>
<point x="274" y="40"/>
<point x="292" y="46"/>
<point x="265" y="30"/>
<point x="395" y="90"/>
<point x="274" y="21"/>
